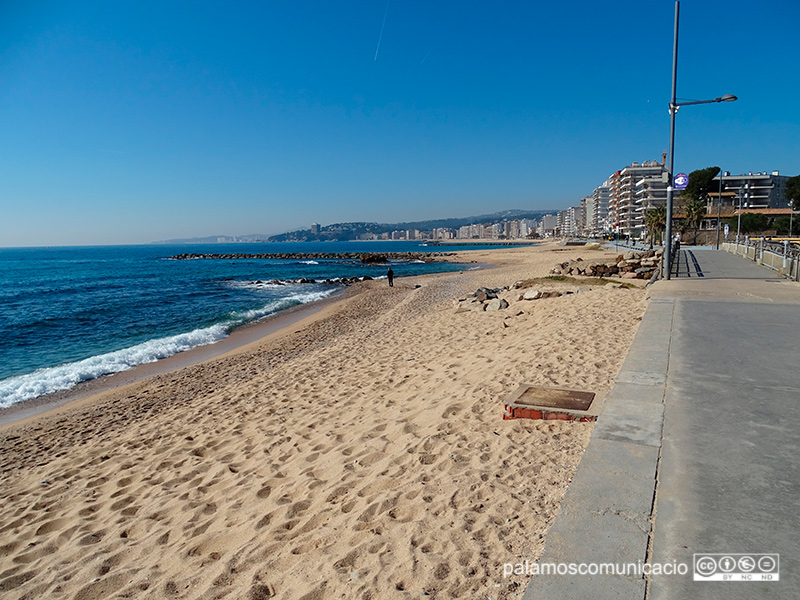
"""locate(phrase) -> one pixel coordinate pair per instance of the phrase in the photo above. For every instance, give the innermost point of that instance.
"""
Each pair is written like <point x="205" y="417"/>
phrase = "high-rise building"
<point x="548" y="225"/>
<point x="633" y="187"/>
<point x="597" y="209"/>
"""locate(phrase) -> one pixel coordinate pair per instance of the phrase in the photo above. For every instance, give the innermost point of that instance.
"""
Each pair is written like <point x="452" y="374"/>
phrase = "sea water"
<point x="68" y="315"/>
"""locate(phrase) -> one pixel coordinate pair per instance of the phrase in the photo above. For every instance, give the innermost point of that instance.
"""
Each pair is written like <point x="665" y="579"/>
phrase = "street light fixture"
<point x="674" y="105"/>
<point x="744" y="192"/>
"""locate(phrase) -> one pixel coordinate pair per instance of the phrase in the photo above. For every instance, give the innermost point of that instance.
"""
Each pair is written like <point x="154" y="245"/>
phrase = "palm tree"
<point x="655" y="220"/>
<point x="695" y="211"/>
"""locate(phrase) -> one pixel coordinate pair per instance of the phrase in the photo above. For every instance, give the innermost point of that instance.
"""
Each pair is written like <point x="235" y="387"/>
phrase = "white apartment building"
<point x="632" y="188"/>
<point x="597" y="208"/>
<point x="572" y="221"/>
<point x="547" y="225"/>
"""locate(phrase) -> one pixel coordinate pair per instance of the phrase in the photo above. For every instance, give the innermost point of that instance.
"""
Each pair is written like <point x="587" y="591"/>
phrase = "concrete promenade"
<point x="698" y="448"/>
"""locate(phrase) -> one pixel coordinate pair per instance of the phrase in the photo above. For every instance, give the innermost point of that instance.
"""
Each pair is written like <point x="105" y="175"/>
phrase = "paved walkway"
<point x="698" y="448"/>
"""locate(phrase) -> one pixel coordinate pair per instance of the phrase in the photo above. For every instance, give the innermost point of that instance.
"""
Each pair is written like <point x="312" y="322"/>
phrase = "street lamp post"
<point x="719" y="207"/>
<point x="742" y="194"/>
<point x="674" y="105"/>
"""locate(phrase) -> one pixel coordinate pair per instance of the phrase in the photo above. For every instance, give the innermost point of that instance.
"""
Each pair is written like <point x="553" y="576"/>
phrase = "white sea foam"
<point x="277" y="305"/>
<point x="309" y="262"/>
<point x="63" y="377"/>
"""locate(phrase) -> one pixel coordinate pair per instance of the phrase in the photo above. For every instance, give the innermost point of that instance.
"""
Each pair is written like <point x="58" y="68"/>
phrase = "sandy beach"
<point x="357" y="453"/>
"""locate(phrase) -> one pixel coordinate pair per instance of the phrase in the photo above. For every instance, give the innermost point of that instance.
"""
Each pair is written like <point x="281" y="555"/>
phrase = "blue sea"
<point x="68" y="315"/>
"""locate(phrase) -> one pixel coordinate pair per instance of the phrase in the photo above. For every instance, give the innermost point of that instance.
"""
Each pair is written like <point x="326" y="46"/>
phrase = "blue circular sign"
<point x="681" y="181"/>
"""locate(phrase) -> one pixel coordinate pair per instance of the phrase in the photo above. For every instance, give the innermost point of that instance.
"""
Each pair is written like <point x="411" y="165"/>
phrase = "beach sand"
<point x="359" y="453"/>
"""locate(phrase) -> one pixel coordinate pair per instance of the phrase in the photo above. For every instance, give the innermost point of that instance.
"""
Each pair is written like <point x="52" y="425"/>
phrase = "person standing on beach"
<point x="390" y="277"/>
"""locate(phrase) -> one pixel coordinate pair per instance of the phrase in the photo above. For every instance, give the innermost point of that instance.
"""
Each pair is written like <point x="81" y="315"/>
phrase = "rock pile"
<point x="481" y="300"/>
<point x="486" y="299"/>
<point x="631" y="265"/>
<point x="335" y="281"/>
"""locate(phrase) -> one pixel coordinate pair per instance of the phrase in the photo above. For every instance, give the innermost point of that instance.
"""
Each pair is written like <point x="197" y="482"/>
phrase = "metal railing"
<point x="778" y="256"/>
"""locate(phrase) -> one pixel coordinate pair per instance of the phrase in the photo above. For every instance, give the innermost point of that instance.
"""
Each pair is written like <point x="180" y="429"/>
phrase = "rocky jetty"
<point x="334" y="281"/>
<point x="630" y="265"/>
<point x="364" y="257"/>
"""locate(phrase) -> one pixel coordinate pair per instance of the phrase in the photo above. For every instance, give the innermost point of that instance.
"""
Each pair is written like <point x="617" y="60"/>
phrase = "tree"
<point x="793" y="191"/>
<point x="655" y="220"/>
<point x="695" y="211"/>
<point x="751" y="222"/>
<point x="695" y="197"/>
<point x="700" y="184"/>
<point x="781" y="226"/>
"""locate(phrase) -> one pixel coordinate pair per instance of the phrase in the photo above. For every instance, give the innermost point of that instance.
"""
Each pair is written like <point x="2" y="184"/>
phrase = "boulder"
<point x="630" y="276"/>
<point x="531" y="295"/>
<point x="497" y="304"/>
<point x="484" y="294"/>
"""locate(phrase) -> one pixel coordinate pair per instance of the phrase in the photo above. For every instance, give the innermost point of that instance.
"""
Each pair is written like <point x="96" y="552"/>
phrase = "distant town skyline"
<point x="129" y="123"/>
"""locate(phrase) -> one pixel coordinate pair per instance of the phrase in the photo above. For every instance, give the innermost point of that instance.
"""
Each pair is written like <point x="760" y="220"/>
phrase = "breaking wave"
<point x="63" y="377"/>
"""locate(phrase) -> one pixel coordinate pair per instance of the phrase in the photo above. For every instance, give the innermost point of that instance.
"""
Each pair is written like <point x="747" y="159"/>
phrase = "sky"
<point x="131" y="122"/>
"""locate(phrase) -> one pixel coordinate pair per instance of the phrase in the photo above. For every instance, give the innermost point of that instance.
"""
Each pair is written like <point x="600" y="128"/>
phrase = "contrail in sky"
<point x="381" y="35"/>
<point x="426" y="56"/>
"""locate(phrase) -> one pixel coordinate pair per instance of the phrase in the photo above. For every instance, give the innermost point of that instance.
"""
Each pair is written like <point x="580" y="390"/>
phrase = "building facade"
<point x="634" y="190"/>
<point x="755" y="190"/>
<point x="597" y="209"/>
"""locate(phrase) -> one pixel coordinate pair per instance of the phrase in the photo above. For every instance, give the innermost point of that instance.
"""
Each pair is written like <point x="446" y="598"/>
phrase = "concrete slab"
<point x="640" y="423"/>
<point x="607" y="538"/>
<point x="546" y="587"/>
<point x="609" y="482"/>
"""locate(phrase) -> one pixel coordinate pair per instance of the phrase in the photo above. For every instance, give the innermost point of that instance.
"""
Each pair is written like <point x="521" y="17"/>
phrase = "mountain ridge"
<point x="352" y="230"/>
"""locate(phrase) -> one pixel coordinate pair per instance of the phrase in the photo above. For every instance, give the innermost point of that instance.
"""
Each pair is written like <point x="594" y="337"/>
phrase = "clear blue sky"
<point x="128" y="122"/>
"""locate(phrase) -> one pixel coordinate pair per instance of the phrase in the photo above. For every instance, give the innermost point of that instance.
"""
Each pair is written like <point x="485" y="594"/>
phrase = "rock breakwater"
<point x="631" y="265"/>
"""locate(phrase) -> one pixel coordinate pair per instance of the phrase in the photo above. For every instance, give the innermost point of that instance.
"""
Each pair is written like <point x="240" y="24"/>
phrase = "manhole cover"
<point x="539" y="402"/>
<point x="555" y="398"/>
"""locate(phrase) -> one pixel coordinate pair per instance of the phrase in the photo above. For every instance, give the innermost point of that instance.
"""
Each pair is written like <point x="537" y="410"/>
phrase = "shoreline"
<point x="244" y="336"/>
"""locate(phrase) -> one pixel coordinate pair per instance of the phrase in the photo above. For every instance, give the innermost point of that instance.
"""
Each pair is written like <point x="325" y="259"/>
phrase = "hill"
<point x="356" y="230"/>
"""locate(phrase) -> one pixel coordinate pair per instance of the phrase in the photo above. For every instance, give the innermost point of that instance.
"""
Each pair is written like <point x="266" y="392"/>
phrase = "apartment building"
<point x="597" y="208"/>
<point x="633" y="190"/>
<point x="757" y="190"/>
<point x="548" y="225"/>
